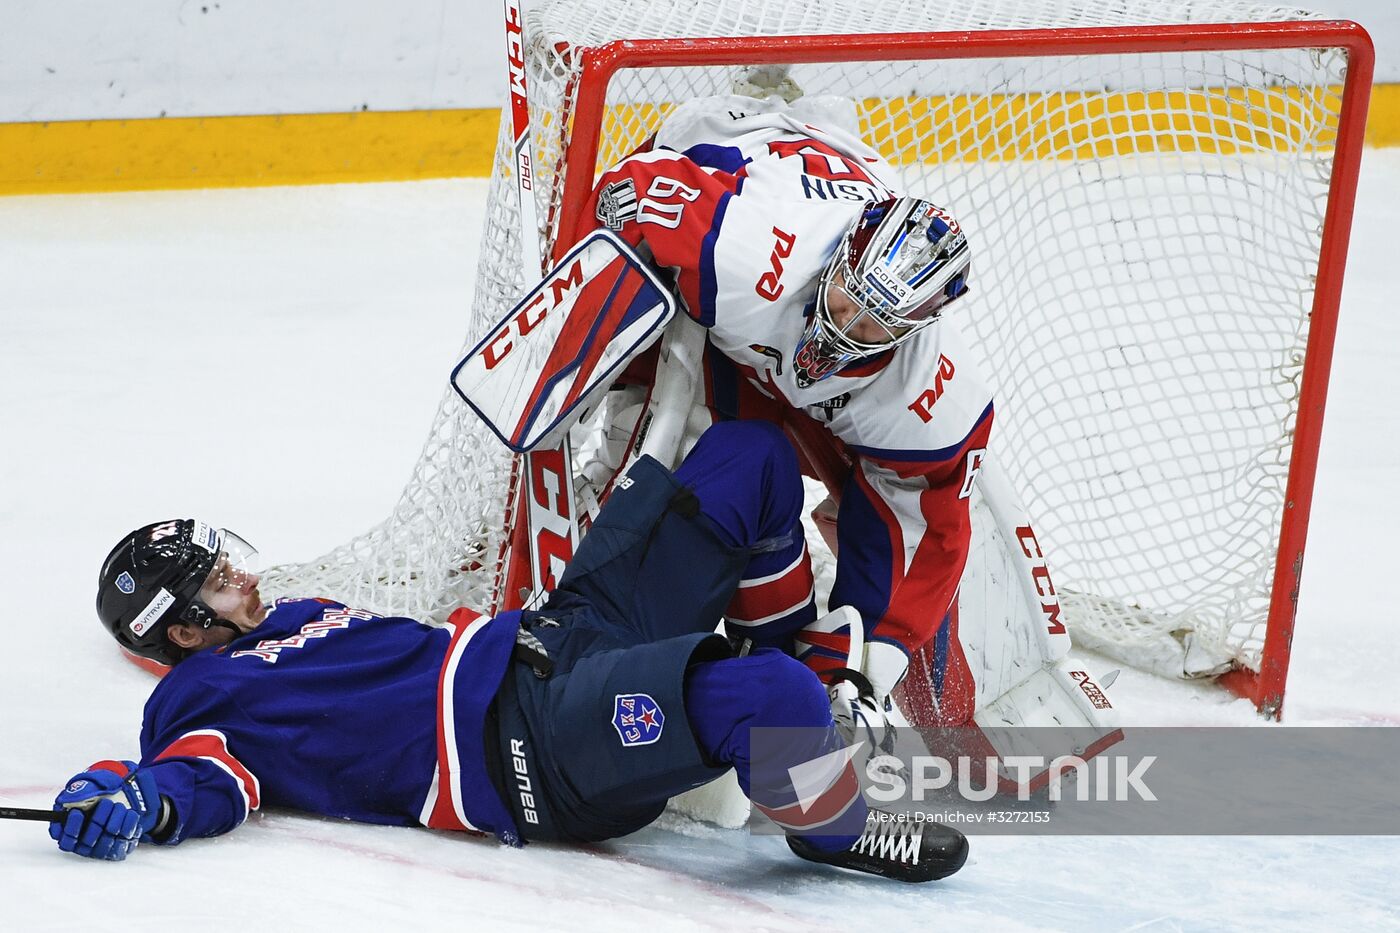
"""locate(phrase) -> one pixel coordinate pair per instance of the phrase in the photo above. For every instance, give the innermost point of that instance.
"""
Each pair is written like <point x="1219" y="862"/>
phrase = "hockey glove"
<point x="111" y="806"/>
<point x="859" y="676"/>
<point x="833" y="646"/>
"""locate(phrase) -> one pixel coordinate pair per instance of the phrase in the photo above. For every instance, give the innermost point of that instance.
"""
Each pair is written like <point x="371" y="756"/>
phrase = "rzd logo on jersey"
<point x="637" y="719"/>
<point x="769" y="285"/>
<point x="923" y="405"/>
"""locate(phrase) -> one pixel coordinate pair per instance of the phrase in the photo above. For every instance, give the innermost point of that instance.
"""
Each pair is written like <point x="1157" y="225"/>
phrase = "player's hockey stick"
<point x="42" y="816"/>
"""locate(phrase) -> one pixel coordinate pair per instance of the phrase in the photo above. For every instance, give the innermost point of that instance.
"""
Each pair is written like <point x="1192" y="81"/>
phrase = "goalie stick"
<point x="542" y="516"/>
<point x="543" y="528"/>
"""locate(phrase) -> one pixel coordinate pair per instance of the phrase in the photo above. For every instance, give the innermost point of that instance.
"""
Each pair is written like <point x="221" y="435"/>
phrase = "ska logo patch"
<point x="637" y="718"/>
<point x="125" y="583"/>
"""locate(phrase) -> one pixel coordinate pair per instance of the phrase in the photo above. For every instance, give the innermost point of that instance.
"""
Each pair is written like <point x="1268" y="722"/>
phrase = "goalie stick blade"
<point x="594" y="311"/>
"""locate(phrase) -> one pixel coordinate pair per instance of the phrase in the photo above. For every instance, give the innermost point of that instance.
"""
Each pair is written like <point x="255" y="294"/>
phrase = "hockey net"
<point x="1158" y="203"/>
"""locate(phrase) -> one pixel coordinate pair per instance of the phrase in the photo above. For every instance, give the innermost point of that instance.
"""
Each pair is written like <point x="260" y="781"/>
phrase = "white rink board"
<point x="92" y="60"/>
<point x="124" y="317"/>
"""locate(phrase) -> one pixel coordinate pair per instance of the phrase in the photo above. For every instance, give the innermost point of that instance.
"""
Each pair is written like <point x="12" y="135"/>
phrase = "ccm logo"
<point x="923" y="405"/>
<point x="768" y="285"/>
<point x="1040" y="575"/>
<point x="522" y="781"/>
<point x="530" y="316"/>
<point x="550" y="505"/>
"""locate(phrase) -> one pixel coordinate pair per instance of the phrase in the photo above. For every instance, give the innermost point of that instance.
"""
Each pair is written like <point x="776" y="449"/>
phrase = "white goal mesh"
<point x="1146" y="232"/>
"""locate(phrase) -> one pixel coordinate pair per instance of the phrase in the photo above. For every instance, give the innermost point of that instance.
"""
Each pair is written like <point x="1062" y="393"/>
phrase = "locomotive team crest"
<point x="637" y="718"/>
<point x="617" y="204"/>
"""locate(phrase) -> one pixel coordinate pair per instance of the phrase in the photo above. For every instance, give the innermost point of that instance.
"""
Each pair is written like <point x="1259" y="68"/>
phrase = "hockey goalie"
<point x="823" y="289"/>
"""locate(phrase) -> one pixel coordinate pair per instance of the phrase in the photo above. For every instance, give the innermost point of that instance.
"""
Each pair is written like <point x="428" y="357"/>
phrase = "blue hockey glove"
<point x="112" y="805"/>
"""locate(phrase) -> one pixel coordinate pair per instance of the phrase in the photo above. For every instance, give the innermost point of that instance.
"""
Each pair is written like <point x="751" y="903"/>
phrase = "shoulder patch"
<point x="617" y="203"/>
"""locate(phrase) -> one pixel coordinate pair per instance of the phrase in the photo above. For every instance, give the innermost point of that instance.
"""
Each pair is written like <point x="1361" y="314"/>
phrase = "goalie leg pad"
<point x="939" y="690"/>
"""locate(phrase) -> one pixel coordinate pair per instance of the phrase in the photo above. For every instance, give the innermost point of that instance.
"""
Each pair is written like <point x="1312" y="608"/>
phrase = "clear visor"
<point x="233" y="580"/>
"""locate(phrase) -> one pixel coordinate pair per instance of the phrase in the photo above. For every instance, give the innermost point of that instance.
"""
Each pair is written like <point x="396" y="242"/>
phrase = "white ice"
<point x="272" y="358"/>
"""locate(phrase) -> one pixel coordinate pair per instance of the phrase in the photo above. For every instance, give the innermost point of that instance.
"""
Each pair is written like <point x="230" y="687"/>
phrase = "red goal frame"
<point x="1264" y="688"/>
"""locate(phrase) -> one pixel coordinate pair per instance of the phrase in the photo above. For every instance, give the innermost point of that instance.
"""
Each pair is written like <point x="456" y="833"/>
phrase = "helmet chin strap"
<point x="237" y="632"/>
<point x="216" y="620"/>
<point x="211" y="618"/>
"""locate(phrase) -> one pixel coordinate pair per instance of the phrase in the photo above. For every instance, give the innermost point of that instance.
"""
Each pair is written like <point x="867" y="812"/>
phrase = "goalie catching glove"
<point x="859" y="677"/>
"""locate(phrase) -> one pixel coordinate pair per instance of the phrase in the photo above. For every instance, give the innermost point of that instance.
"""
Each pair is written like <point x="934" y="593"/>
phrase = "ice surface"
<point x="271" y="359"/>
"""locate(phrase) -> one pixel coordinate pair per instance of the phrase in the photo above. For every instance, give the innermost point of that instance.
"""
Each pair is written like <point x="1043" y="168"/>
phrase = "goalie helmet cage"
<point x="1159" y="196"/>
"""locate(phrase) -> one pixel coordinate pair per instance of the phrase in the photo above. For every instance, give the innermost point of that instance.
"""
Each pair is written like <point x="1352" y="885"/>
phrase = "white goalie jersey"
<point x="744" y="202"/>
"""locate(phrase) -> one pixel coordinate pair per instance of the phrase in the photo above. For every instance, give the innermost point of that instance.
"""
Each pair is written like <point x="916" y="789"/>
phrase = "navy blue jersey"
<point x="334" y="711"/>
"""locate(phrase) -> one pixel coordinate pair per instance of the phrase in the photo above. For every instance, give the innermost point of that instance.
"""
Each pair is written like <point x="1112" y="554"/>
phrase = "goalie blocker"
<point x="559" y="347"/>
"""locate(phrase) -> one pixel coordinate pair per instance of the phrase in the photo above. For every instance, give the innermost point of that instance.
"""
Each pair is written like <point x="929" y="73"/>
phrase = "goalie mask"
<point x="897" y="266"/>
<point x="176" y="571"/>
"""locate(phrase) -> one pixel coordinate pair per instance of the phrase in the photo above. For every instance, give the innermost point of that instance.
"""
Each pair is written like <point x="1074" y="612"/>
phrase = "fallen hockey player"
<point x="575" y="722"/>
